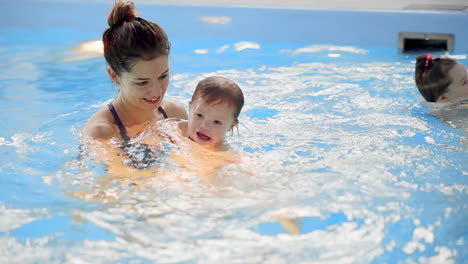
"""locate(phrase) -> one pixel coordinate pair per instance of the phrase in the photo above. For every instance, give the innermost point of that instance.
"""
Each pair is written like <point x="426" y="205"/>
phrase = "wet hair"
<point x="130" y="38"/>
<point x="431" y="76"/>
<point x="217" y="90"/>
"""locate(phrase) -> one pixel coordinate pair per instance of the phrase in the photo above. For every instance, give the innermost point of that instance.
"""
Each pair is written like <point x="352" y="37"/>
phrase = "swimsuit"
<point x="123" y="131"/>
<point x="140" y="156"/>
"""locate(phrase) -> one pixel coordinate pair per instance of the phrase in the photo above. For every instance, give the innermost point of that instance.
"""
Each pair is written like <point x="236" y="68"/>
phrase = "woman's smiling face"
<point x="146" y="84"/>
<point x="208" y="123"/>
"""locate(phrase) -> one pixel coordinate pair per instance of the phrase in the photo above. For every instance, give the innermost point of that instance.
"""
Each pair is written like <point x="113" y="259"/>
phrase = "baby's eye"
<point x="199" y="115"/>
<point x="218" y="122"/>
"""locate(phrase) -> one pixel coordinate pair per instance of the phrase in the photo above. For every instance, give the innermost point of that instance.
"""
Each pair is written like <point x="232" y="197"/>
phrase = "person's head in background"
<point x="440" y="80"/>
<point x="214" y="109"/>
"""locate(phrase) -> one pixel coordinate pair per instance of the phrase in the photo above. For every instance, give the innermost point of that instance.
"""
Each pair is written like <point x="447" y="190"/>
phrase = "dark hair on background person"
<point x="432" y="76"/>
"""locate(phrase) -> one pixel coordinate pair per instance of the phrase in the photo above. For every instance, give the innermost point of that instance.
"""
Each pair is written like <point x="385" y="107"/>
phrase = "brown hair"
<point x="431" y="76"/>
<point x="130" y="38"/>
<point x="217" y="89"/>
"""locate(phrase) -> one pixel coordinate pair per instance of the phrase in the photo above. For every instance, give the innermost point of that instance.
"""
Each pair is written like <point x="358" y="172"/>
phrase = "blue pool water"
<point x="349" y="164"/>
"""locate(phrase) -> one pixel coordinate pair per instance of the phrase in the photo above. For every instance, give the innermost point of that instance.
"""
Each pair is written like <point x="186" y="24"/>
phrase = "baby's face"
<point x="459" y="86"/>
<point x="208" y="123"/>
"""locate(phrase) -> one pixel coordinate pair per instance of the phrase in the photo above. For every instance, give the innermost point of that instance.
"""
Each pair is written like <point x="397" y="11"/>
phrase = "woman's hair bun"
<point x="122" y="12"/>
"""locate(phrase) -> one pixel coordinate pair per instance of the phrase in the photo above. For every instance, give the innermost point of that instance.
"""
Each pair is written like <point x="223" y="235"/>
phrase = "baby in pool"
<point x="213" y="111"/>
<point x="198" y="144"/>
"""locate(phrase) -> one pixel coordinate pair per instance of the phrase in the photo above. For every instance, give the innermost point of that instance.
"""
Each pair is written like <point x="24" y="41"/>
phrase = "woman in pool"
<point x="196" y="144"/>
<point x="136" y="51"/>
<point x="441" y="80"/>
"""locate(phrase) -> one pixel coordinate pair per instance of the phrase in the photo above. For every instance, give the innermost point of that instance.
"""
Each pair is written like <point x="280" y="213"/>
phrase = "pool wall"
<point x="336" y="27"/>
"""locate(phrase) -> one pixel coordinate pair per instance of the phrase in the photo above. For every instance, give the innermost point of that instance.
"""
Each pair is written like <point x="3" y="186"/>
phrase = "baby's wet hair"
<point x="217" y="89"/>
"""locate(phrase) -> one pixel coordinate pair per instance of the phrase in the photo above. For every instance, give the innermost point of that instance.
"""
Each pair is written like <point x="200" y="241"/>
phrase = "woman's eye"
<point x="142" y="83"/>
<point x="163" y="76"/>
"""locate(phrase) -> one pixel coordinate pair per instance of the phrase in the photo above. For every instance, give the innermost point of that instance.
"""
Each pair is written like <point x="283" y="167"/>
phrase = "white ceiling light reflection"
<point x="86" y="50"/>
<point x="216" y="19"/>
<point x="201" y="51"/>
<point x="222" y="49"/>
<point x="92" y="47"/>
<point x="320" y="48"/>
<point x="242" y="45"/>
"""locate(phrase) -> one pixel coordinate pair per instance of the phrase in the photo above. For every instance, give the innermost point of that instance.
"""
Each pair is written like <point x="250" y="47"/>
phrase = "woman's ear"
<point x="113" y="75"/>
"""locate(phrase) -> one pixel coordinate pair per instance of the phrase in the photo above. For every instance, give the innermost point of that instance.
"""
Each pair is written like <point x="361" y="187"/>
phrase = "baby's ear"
<point x="235" y="123"/>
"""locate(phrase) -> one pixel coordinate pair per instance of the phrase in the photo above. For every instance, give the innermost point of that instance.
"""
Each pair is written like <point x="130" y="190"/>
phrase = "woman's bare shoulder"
<point x="174" y="109"/>
<point x="100" y="126"/>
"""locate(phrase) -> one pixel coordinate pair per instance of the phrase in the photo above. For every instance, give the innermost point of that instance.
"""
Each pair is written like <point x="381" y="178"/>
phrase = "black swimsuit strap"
<point x="123" y="131"/>
<point x="163" y="112"/>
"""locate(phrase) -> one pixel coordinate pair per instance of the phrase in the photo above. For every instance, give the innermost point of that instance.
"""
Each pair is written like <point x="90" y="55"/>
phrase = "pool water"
<point x="349" y="164"/>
